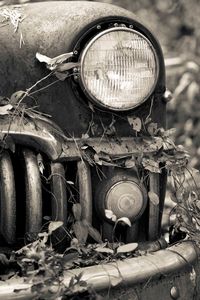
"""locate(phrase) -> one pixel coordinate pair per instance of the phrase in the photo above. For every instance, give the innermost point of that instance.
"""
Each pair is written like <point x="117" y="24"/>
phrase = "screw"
<point x="75" y="70"/>
<point x="76" y="77"/>
<point x="116" y="25"/>
<point x="75" y="52"/>
<point x="98" y="26"/>
<point x="131" y="26"/>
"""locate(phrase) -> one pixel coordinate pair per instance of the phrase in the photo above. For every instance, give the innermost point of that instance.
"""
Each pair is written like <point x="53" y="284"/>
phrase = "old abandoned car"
<point x="83" y="139"/>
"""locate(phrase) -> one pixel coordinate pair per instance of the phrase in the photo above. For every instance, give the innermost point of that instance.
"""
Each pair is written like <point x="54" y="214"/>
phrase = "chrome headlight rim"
<point x="83" y="84"/>
<point x="104" y="187"/>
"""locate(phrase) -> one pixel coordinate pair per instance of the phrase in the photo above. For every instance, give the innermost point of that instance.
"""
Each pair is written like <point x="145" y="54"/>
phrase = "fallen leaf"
<point x="136" y="123"/>
<point x="130" y="163"/>
<point x="153" y="197"/>
<point x="104" y="250"/>
<point x="127" y="248"/>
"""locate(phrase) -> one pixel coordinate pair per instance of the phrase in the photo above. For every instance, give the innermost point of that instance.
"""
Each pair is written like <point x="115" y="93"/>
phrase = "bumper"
<point x="164" y="269"/>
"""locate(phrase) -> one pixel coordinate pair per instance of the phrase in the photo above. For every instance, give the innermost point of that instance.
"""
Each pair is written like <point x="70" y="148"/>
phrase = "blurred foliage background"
<point x="176" y="24"/>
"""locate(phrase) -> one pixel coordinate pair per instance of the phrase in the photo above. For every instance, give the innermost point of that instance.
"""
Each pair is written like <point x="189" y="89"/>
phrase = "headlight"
<point x="126" y="199"/>
<point x="119" y="68"/>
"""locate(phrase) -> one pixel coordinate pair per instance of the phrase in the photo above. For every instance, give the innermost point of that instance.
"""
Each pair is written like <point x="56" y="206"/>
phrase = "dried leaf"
<point x="152" y="128"/>
<point x="127" y="248"/>
<point x="153" y="197"/>
<point x="136" y="123"/>
<point x="4" y="110"/>
<point x="104" y="250"/>
<point x="130" y="163"/>
<point x="124" y="220"/>
<point x="109" y="214"/>
<point x="54" y="225"/>
<point x="151" y="165"/>
<point x="76" y="208"/>
<point x="16" y="97"/>
<point x="94" y="234"/>
<point x="80" y="231"/>
<point x="52" y="63"/>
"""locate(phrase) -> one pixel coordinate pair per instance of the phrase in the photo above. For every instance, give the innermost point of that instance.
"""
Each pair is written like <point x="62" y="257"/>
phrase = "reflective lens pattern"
<point x="119" y="68"/>
<point x="125" y="199"/>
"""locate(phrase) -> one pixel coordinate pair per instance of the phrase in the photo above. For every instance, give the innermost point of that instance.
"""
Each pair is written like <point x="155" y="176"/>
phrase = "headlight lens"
<point x="126" y="199"/>
<point x="119" y="68"/>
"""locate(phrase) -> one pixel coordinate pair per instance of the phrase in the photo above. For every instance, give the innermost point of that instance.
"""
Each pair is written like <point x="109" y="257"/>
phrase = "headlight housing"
<point x="119" y="68"/>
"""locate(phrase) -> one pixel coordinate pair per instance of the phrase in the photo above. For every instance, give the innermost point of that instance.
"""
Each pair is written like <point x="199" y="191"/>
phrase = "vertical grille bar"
<point x="59" y="194"/>
<point x="154" y="184"/>
<point x="33" y="192"/>
<point x="85" y="190"/>
<point x="8" y="199"/>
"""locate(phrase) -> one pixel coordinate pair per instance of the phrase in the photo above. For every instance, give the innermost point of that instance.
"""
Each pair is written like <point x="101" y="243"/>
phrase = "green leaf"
<point x="124" y="220"/>
<point x="4" y="110"/>
<point x="80" y="231"/>
<point x="94" y="234"/>
<point x="16" y="97"/>
<point x="76" y="208"/>
<point x="54" y="225"/>
<point x="127" y="248"/>
<point x="153" y="197"/>
<point x="109" y="214"/>
<point x="152" y="128"/>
